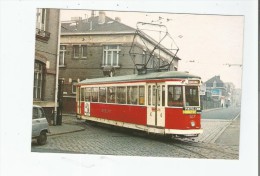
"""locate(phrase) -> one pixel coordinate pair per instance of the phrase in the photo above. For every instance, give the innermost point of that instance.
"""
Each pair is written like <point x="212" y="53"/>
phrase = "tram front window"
<point x="192" y="96"/>
<point x="175" y="96"/>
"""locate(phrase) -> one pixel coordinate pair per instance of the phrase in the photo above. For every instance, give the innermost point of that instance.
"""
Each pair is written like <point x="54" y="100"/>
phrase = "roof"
<point x="213" y="79"/>
<point x="92" y="25"/>
<point x="216" y="79"/>
<point x="135" y="77"/>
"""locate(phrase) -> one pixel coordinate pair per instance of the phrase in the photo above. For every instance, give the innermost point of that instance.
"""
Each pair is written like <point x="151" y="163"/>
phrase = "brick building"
<point x="45" y="66"/>
<point x="89" y="47"/>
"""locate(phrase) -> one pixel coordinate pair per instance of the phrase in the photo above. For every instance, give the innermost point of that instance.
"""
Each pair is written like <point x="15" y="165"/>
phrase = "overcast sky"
<point x="206" y="42"/>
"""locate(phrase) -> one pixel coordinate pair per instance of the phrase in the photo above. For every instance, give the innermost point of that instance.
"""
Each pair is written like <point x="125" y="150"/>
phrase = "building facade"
<point x="220" y="94"/>
<point x="236" y="97"/>
<point x="100" y="46"/>
<point x="45" y="65"/>
<point x="215" y="93"/>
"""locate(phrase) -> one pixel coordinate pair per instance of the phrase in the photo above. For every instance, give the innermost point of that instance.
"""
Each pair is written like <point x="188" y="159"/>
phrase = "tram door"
<point x="78" y="100"/>
<point x="156" y="105"/>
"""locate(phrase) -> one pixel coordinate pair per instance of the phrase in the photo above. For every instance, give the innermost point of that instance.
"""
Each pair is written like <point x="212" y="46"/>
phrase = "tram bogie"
<point x="165" y="103"/>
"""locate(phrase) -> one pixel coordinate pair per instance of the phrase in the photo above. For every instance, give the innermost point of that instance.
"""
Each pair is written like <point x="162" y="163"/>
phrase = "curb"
<point x="207" y="110"/>
<point x="219" y="133"/>
<point x="79" y="128"/>
<point x="54" y="134"/>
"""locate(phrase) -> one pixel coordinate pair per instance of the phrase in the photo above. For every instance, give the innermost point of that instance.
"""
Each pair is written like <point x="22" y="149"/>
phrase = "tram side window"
<point x="82" y="94"/>
<point x="77" y="97"/>
<point x="158" y="95"/>
<point x="121" y="95"/>
<point x="132" y="95"/>
<point x="141" y="95"/>
<point x="102" y="94"/>
<point x="149" y="95"/>
<point x="192" y="96"/>
<point x="88" y="94"/>
<point x="111" y="94"/>
<point x="153" y="95"/>
<point x="94" y="94"/>
<point x="175" y="96"/>
<point x="163" y="95"/>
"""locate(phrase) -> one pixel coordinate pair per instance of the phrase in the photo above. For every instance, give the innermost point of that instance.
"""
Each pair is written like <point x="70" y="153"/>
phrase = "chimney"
<point x="101" y="17"/>
<point x="118" y="19"/>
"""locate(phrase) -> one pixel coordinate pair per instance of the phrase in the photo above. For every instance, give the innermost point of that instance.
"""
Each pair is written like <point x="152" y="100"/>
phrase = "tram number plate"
<point x="189" y="111"/>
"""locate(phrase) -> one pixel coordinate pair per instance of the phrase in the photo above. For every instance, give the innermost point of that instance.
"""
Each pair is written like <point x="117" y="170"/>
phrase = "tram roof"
<point x="136" y="77"/>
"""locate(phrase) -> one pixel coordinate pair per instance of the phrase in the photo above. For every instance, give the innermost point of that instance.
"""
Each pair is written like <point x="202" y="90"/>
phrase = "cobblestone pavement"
<point x="101" y="140"/>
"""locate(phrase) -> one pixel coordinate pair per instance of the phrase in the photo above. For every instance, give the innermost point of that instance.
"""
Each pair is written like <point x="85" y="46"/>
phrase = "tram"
<point x="166" y="103"/>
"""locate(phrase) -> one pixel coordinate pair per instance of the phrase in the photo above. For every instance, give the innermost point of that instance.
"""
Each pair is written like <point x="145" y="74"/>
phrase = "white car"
<point x="40" y="126"/>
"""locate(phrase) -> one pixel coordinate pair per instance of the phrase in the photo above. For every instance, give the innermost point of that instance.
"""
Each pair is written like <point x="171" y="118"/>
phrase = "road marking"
<point x="216" y="120"/>
<point x="235" y="117"/>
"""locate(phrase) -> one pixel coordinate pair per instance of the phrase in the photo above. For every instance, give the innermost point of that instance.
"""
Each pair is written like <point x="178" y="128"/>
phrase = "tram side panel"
<point x="175" y="119"/>
<point x="121" y="113"/>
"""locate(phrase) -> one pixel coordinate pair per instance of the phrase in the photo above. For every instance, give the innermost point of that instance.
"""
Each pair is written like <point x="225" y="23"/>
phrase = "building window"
<point x="38" y="80"/>
<point x="111" y="55"/>
<point x="80" y="51"/>
<point x="76" y="51"/>
<point x="62" y="55"/>
<point x="83" y="51"/>
<point x="214" y="84"/>
<point x="41" y="19"/>
<point x="74" y="87"/>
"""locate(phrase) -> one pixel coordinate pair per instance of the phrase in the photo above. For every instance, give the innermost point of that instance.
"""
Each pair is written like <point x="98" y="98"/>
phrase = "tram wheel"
<point x="168" y="136"/>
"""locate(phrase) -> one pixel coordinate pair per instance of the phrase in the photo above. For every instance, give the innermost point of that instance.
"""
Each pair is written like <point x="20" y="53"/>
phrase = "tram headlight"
<point x="192" y="123"/>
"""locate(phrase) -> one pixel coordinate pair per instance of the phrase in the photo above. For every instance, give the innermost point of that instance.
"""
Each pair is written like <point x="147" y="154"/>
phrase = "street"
<point x="103" y="140"/>
<point x="221" y="114"/>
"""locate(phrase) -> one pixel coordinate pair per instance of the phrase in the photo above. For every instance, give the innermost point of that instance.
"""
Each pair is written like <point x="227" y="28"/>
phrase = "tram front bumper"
<point x="190" y="132"/>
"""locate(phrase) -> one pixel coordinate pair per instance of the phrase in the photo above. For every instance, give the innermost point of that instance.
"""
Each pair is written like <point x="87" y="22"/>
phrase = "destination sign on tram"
<point x="191" y="110"/>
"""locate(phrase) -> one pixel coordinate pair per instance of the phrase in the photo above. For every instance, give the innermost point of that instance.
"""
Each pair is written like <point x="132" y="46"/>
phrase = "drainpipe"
<point x="57" y="75"/>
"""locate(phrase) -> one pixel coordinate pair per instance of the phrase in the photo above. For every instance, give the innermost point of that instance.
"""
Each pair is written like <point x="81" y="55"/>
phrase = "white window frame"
<point x="116" y="51"/>
<point x="38" y="81"/>
<point x="80" y="51"/>
<point x="62" y="55"/>
<point x="73" y="87"/>
<point x="41" y="19"/>
<point x="74" y="49"/>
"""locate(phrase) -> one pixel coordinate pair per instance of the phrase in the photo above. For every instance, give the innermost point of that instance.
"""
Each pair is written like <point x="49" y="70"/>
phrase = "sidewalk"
<point x="231" y="134"/>
<point x="69" y="124"/>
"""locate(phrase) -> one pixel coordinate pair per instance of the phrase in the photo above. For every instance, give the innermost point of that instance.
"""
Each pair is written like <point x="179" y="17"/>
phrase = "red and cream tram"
<point x="165" y="103"/>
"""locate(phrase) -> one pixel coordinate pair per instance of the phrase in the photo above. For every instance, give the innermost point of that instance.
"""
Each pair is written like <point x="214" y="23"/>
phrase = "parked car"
<point x="40" y="126"/>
